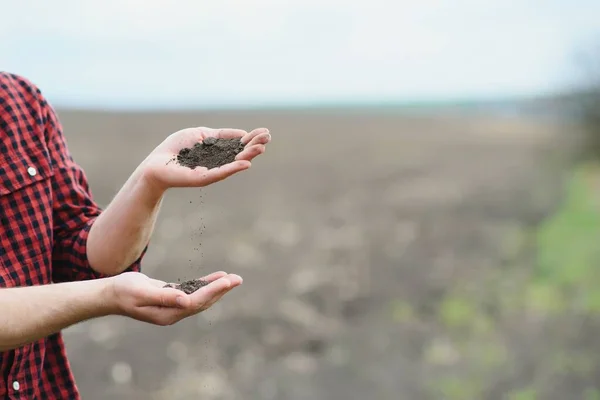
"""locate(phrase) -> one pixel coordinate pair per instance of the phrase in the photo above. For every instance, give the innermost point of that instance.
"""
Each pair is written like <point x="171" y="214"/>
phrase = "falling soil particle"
<point x="211" y="153"/>
<point x="188" y="287"/>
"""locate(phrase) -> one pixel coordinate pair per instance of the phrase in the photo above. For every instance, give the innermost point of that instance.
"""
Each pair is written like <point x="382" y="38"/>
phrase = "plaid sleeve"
<point x="74" y="210"/>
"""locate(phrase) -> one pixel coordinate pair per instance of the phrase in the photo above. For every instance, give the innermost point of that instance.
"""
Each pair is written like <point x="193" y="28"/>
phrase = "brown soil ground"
<point x="349" y="232"/>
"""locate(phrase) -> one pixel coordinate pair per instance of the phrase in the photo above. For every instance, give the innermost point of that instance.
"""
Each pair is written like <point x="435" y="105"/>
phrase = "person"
<point x="63" y="260"/>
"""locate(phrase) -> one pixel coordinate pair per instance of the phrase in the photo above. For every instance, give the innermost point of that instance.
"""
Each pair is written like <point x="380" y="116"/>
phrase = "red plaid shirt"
<point x="46" y="211"/>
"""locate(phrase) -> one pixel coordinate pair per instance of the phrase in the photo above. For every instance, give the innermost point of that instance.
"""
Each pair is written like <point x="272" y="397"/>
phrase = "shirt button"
<point x="31" y="171"/>
<point x="16" y="385"/>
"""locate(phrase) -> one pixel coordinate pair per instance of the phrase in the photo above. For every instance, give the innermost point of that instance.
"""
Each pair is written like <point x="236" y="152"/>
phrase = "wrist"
<point x="146" y="183"/>
<point x="107" y="301"/>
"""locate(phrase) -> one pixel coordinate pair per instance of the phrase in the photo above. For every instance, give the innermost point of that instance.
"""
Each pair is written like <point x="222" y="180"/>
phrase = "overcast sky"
<point x="159" y="53"/>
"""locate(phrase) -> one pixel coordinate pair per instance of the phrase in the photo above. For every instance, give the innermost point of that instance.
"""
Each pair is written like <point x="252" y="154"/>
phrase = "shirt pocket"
<point x="25" y="216"/>
<point x="21" y="169"/>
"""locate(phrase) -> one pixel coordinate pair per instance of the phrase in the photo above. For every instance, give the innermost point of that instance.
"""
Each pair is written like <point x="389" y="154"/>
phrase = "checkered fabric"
<point x="46" y="211"/>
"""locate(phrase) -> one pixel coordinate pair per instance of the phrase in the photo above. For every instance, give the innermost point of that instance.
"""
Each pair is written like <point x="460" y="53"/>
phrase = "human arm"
<point x="90" y="242"/>
<point x="34" y="312"/>
<point x="127" y="223"/>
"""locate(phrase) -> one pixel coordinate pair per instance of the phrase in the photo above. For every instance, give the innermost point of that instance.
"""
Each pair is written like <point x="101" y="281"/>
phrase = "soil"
<point x="211" y="153"/>
<point x="188" y="287"/>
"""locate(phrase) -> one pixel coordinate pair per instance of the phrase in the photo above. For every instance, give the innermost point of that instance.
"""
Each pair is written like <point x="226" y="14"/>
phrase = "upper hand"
<point x="145" y="299"/>
<point x="162" y="172"/>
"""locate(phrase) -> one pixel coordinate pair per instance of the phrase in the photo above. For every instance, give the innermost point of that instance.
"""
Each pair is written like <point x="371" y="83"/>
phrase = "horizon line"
<point x="317" y="105"/>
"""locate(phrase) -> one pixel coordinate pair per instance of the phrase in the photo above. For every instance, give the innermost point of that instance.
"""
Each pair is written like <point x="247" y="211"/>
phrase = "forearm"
<point x="120" y="233"/>
<point x="34" y="312"/>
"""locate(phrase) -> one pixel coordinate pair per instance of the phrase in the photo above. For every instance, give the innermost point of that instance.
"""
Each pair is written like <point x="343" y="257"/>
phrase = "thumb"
<point x="164" y="297"/>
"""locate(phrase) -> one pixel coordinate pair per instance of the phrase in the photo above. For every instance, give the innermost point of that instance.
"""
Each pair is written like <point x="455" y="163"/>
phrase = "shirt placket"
<point x="17" y="379"/>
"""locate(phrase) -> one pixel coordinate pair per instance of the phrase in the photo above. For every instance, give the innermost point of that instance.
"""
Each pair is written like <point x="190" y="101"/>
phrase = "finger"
<point x="156" y="282"/>
<point x="159" y="315"/>
<point x="228" y="133"/>
<point x="263" y="138"/>
<point x="218" y="174"/>
<point x="202" y="176"/>
<point x="250" y="152"/>
<point x="214" y="276"/>
<point x="236" y="281"/>
<point x="164" y="297"/>
<point x="219" y="287"/>
<point x="188" y="137"/>
<point x="216" y="298"/>
<point x="251" y="135"/>
<point x="182" y="300"/>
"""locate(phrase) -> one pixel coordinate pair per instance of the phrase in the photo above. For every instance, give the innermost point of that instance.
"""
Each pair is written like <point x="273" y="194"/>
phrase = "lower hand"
<point x="137" y="296"/>
<point x="164" y="174"/>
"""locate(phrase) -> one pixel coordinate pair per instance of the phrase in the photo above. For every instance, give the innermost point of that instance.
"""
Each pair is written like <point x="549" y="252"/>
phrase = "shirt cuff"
<point x="72" y="264"/>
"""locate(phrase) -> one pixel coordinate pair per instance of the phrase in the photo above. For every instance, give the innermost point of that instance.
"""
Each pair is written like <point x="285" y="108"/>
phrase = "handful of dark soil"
<point x="211" y="153"/>
<point x="188" y="287"/>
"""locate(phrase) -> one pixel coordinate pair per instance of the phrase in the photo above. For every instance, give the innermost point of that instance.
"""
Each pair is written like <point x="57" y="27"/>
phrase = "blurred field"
<point x="385" y="256"/>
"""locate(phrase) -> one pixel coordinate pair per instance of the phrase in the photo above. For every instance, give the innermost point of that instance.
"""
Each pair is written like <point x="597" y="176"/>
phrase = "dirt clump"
<point x="188" y="287"/>
<point x="211" y="153"/>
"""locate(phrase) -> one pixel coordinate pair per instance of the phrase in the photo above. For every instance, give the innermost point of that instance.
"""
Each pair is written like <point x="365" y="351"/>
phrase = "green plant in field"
<point x="472" y="353"/>
<point x="592" y="394"/>
<point x="454" y="388"/>
<point x="524" y="394"/>
<point x="457" y="312"/>
<point x="569" y="253"/>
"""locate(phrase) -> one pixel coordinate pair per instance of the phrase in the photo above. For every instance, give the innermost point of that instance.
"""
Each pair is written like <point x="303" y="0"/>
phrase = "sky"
<point x="195" y="53"/>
